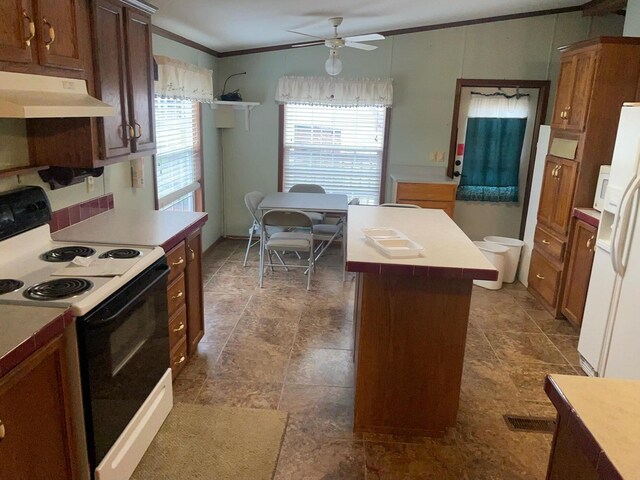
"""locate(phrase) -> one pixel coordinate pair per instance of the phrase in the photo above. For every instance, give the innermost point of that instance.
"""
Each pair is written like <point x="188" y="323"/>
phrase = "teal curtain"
<point x="491" y="166"/>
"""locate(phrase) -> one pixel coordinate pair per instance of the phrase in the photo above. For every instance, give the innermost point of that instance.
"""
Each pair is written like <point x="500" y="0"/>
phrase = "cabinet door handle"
<point x="553" y="172"/>
<point x="182" y="359"/>
<point x="568" y="108"/>
<point x="2" y="431"/>
<point x="593" y="237"/>
<point x="193" y="254"/>
<point x="32" y="29"/>
<point x="179" y="262"/>
<point x="546" y="242"/>
<point x="139" y="130"/>
<point x="52" y="34"/>
<point x="132" y="132"/>
<point x="180" y="328"/>
<point x="541" y="277"/>
<point x="177" y="295"/>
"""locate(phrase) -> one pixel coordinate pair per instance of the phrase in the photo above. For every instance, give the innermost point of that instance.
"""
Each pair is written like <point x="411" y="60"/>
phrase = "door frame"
<point x="541" y="114"/>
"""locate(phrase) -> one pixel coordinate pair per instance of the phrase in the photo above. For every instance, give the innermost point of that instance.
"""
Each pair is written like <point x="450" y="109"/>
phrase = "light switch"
<point x="90" y="185"/>
<point x="432" y="156"/>
<point x="440" y="157"/>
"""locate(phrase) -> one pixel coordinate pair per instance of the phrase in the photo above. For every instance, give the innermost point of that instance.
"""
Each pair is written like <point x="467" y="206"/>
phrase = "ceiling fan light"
<point x="333" y="65"/>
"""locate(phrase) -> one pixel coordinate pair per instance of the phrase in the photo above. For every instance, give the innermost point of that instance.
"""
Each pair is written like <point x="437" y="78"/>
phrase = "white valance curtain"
<point x="183" y="80"/>
<point x="498" y="106"/>
<point x="340" y="92"/>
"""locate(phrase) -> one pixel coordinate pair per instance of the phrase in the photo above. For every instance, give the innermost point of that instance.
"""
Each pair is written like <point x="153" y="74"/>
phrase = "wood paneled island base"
<point x="411" y="317"/>
<point x="410" y="340"/>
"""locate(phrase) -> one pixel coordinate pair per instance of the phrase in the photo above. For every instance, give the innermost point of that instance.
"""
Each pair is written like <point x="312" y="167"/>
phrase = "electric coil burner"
<point x="8" y="285"/>
<point x="121" y="253"/>
<point x="58" y="288"/>
<point x="66" y="254"/>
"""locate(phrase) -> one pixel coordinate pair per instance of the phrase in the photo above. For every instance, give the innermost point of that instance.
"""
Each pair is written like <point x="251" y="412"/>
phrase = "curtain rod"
<point x="500" y="93"/>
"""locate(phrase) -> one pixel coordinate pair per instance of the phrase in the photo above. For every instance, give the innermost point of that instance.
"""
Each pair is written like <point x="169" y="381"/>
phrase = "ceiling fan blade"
<point x="360" y="46"/>
<point x="369" y="37"/>
<point x="305" y="34"/>
<point x="307" y="44"/>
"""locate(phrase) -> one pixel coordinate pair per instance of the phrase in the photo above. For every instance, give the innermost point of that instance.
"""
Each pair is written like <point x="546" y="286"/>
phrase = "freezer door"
<point x="625" y="157"/>
<point x="623" y="357"/>
<point x="596" y="310"/>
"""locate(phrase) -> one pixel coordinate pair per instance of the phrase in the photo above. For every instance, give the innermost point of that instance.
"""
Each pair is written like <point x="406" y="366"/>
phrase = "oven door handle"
<point x="104" y="321"/>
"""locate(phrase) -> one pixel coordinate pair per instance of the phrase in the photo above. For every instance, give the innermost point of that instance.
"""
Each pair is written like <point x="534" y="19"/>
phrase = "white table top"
<point x="129" y="227"/>
<point x="311" y="202"/>
<point x="447" y="250"/>
<point x="610" y="409"/>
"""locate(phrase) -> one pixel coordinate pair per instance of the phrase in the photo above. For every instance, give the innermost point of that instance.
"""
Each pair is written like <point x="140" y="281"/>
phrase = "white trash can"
<point x="497" y="255"/>
<point x="513" y="258"/>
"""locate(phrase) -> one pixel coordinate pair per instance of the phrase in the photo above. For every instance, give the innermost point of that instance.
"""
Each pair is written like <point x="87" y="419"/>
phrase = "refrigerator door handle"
<point x="621" y="227"/>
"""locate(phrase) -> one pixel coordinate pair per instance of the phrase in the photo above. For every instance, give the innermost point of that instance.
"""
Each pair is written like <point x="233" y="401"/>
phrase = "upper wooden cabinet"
<point x="41" y="36"/>
<point x="574" y="90"/>
<point x="122" y="73"/>
<point x="124" y="79"/>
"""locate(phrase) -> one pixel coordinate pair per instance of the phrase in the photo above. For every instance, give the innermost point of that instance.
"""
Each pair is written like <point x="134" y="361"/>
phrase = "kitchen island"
<point x="411" y="319"/>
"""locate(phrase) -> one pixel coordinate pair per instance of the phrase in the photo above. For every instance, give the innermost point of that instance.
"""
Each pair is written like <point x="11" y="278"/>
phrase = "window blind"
<point x="178" y="158"/>
<point x="338" y="148"/>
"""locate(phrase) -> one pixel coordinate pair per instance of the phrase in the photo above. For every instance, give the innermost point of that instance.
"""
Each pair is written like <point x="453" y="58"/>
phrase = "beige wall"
<point x="117" y="178"/>
<point x="424" y="67"/>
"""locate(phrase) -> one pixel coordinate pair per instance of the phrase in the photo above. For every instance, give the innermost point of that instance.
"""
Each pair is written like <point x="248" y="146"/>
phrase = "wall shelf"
<point x="226" y="106"/>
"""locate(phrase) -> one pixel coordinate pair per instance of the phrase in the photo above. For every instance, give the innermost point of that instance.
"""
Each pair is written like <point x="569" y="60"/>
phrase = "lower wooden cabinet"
<point x="185" y="299"/>
<point x="428" y="195"/>
<point x="544" y="277"/>
<point x="576" y="285"/>
<point x="36" y="439"/>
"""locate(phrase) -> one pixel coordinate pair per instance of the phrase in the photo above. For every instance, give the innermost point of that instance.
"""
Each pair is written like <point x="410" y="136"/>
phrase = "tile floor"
<point x="282" y="347"/>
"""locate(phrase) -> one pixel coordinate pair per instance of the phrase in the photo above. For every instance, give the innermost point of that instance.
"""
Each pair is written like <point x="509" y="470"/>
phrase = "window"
<point x="340" y="148"/>
<point x="178" y="162"/>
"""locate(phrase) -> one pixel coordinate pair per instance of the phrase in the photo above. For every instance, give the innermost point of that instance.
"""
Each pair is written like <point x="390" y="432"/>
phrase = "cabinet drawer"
<point x="548" y="244"/>
<point x="178" y="327"/>
<point x="544" y="278"/>
<point x="177" y="260"/>
<point x="439" y="192"/>
<point x="178" y="358"/>
<point x="175" y="295"/>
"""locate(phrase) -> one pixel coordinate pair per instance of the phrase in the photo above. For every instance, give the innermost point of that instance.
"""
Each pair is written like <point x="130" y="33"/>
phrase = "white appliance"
<point x="610" y="335"/>
<point x="601" y="187"/>
<point x="534" y="199"/>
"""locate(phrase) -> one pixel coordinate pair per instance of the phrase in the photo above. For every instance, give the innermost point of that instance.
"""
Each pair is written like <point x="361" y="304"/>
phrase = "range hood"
<point x="38" y="96"/>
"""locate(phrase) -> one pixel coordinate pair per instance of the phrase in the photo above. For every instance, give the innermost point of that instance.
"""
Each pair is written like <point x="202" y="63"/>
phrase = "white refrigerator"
<point x="609" y="343"/>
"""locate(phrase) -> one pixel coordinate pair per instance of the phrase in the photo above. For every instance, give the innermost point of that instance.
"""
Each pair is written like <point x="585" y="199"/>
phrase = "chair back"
<point x="354" y="201"/>
<point x="306" y="188"/>
<point x="399" y="205"/>
<point x="252" y="200"/>
<point x="286" y="218"/>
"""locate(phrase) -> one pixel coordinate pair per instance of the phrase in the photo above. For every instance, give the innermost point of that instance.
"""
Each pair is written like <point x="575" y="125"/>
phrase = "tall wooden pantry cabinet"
<point x="596" y="77"/>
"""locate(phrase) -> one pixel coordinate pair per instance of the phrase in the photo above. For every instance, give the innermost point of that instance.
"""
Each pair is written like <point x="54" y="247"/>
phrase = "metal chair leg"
<point x="261" y="259"/>
<point x="246" y="254"/>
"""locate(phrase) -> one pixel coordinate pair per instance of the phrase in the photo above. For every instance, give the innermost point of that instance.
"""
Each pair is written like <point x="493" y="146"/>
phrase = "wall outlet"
<point x="90" y="185"/>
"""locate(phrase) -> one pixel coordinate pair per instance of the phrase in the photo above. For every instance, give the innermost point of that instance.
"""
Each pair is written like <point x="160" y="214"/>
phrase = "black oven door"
<point x="124" y="351"/>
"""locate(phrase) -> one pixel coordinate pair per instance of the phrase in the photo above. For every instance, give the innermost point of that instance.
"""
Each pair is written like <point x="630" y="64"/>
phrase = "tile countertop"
<point x="589" y="215"/>
<point x="609" y="409"/>
<point x="132" y="227"/>
<point x="24" y="329"/>
<point x="448" y="252"/>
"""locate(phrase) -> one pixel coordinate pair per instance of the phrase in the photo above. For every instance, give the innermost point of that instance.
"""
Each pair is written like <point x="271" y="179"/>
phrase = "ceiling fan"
<point x="333" y="65"/>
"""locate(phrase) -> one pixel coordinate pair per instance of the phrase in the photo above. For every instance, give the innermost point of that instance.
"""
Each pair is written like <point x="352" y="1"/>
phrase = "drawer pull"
<point x="193" y="254"/>
<point x="546" y="242"/>
<point x="2" y="431"/>
<point x="177" y="295"/>
<point x="179" y="262"/>
<point x="541" y="277"/>
<point x="52" y="34"/>
<point x="181" y="361"/>
<point x="32" y="29"/>
<point x="180" y="328"/>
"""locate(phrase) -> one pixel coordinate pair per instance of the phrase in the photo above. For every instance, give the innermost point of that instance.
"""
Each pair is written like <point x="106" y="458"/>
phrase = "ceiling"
<point x="242" y="24"/>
